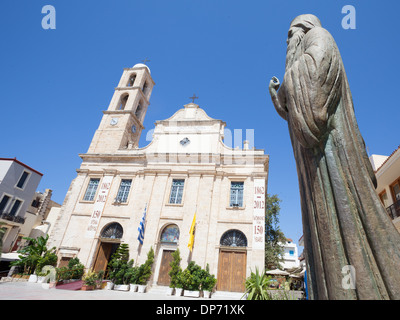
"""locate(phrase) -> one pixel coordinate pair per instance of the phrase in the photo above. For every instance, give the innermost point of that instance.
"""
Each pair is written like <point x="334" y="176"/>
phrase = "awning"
<point x="10" y="256"/>
<point x="278" y="272"/>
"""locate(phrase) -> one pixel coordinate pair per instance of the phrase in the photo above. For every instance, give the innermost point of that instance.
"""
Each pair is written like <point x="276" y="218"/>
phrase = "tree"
<point x="273" y="234"/>
<point x="120" y="266"/>
<point x="35" y="255"/>
<point x="175" y="268"/>
<point x="145" y="268"/>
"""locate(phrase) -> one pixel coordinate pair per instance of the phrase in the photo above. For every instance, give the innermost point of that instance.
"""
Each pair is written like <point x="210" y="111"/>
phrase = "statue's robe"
<point x="344" y="222"/>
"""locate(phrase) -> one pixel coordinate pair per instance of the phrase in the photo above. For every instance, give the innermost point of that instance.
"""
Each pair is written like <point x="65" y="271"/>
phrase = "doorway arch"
<point x="109" y="241"/>
<point x="232" y="261"/>
<point x="169" y="238"/>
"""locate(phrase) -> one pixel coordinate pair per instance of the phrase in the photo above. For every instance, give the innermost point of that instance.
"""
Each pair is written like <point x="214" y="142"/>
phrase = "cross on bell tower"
<point x="122" y="123"/>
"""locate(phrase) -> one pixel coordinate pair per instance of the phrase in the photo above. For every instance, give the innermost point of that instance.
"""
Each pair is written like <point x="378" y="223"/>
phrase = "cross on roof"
<point x="193" y="98"/>
<point x="145" y="60"/>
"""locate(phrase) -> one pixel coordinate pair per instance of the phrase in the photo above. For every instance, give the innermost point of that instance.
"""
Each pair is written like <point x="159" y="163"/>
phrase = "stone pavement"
<point x="35" y="291"/>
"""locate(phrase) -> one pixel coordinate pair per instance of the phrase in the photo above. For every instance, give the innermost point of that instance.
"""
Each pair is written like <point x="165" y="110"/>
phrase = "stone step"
<point x="227" y="295"/>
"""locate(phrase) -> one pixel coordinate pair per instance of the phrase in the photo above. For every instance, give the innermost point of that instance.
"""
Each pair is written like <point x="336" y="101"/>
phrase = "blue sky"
<point x="56" y="83"/>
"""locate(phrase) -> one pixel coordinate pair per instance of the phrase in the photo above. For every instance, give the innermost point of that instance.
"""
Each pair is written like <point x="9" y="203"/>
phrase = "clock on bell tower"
<point x="122" y="123"/>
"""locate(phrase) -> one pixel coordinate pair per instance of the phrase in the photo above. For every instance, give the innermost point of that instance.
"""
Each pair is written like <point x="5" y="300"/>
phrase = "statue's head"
<point x="301" y="25"/>
<point x="298" y="28"/>
<point x="306" y="21"/>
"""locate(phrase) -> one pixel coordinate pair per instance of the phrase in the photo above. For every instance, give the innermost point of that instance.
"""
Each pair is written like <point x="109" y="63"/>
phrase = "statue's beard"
<point x="292" y="48"/>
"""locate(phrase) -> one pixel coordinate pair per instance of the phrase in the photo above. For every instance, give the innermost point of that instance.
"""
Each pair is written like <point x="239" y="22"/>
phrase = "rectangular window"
<point x="396" y="191"/>
<point x="236" y="194"/>
<point x="15" y="207"/>
<point x="3" y="203"/>
<point x="123" y="191"/>
<point x="91" y="189"/>
<point x="291" y="252"/>
<point x="176" y="191"/>
<point x="22" y="180"/>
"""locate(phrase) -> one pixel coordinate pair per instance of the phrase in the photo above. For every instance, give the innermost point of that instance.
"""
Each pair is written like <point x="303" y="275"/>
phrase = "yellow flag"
<point x="191" y="234"/>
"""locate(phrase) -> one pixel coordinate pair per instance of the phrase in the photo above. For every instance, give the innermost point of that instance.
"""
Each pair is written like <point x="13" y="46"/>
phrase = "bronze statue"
<point x="344" y="222"/>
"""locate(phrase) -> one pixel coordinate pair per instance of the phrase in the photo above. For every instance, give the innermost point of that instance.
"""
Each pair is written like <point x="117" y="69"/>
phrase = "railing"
<point x="10" y="217"/>
<point x="394" y="210"/>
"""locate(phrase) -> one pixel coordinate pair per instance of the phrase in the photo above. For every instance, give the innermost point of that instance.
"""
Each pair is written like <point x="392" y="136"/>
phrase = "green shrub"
<point x="208" y="280"/>
<point x="175" y="269"/>
<point x="257" y="286"/>
<point x="144" y="271"/>
<point x="35" y="255"/>
<point x="191" y="277"/>
<point x="119" y="267"/>
<point x="133" y="275"/>
<point x="90" y="278"/>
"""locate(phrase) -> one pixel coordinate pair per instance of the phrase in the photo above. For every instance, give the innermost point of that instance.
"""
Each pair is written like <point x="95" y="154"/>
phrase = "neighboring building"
<point x="23" y="211"/>
<point x="302" y="259"/>
<point x="387" y="171"/>
<point x="290" y="255"/>
<point x="36" y="222"/>
<point x="18" y="183"/>
<point x="185" y="170"/>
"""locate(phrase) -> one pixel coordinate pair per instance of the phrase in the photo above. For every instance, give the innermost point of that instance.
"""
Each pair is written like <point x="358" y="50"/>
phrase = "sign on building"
<point x="98" y="207"/>
<point x="259" y="214"/>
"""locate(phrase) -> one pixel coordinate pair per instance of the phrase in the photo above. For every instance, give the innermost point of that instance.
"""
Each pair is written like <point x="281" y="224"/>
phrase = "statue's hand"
<point x="274" y="84"/>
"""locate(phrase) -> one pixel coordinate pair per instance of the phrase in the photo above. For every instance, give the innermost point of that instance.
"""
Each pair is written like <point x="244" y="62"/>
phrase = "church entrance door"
<point x="231" y="271"/>
<point x="104" y="253"/>
<point x="163" y="277"/>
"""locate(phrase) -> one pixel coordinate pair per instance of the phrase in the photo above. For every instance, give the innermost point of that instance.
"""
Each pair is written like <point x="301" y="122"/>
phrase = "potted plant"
<point x="33" y="278"/>
<point x="179" y="284"/>
<point x="134" y="278"/>
<point x="75" y="269"/>
<point x="122" y="279"/>
<point x="99" y="279"/>
<point x="145" y="271"/>
<point x="41" y="276"/>
<point x="207" y="282"/>
<point x="62" y="274"/>
<point x="191" y="278"/>
<point x="174" y="272"/>
<point x="89" y="280"/>
<point x="110" y="285"/>
<point x="119" y="269"/>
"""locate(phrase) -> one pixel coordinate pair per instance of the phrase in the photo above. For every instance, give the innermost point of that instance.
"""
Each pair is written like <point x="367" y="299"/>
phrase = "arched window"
<point x="138" y="112"/>
<point x="170" y="234"/>
<point x="233" y="238"/>
<point x="131" y="80"/>
<point x="112" y="231"/>
<point x="122" y="102"/>
<point x="145" y="87"/>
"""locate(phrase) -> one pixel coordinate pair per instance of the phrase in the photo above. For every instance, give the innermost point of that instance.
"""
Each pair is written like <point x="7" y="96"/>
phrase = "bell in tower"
<point x="122" y="123"/>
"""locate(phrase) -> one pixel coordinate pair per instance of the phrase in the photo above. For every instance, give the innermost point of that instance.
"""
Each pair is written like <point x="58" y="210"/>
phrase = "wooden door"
<point x="64" y="262"/>
<point x="103" y="254"/>
<point x="232" y="271"/>
<point x="163" y="277"/>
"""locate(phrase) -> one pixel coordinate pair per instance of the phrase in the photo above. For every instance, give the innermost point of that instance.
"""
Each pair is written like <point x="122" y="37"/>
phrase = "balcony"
<point x="394" y="210"/>
<point x="9" y="217"/>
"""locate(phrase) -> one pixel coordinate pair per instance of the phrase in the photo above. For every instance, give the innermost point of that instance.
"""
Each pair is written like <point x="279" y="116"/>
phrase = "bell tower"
<point x="122" y="123"/>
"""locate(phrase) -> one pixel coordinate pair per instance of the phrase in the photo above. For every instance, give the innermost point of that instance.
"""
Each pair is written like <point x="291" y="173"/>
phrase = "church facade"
<point x="185" y="172"/>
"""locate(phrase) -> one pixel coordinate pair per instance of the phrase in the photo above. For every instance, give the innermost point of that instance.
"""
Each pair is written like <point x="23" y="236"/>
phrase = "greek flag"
<point x="141" y="226"/>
